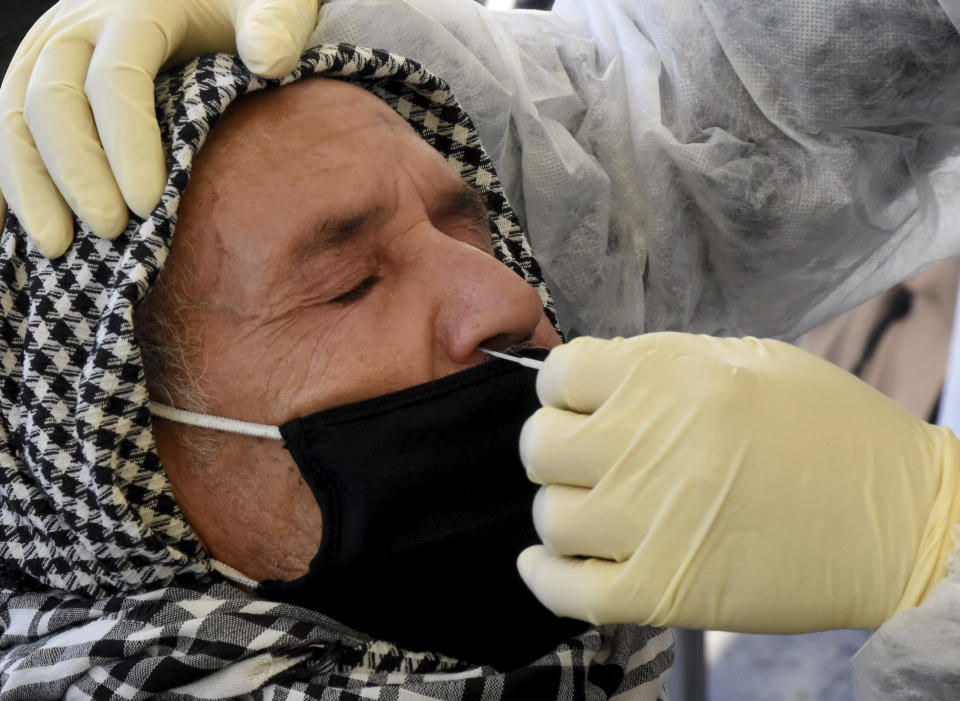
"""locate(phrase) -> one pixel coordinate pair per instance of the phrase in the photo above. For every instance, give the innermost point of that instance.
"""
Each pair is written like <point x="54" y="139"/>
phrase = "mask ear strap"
<point x="218" y="423"/>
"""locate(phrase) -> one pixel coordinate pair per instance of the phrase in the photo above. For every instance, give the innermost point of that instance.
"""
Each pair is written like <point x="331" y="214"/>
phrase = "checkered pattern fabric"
<point x="87" y="517"/>
<point x="216" y="642"/>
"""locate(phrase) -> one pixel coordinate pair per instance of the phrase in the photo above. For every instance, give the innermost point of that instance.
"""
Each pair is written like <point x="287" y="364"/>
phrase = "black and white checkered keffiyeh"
<point x="105" y="591"/>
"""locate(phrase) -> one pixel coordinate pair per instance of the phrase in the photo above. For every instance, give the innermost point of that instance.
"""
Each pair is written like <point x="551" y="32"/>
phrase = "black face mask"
<point x="426" y="506"/>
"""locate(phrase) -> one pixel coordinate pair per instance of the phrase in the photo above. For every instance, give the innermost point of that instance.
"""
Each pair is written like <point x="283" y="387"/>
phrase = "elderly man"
<point x="282" y="302"/>
<point x="324" y="254"/>
<point x="207" y="564"/>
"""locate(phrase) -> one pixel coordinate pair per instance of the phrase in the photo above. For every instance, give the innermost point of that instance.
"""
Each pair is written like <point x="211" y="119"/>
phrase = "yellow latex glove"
<point x="730" y="484"/>
<point x="84" y="75"/>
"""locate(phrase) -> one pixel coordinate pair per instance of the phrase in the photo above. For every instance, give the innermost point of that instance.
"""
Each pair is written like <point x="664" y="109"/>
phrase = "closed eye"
<point x="358" y="292"/>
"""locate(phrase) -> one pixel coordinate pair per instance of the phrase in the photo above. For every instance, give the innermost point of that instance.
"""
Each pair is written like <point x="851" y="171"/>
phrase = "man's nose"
<point x="485" y="304"/>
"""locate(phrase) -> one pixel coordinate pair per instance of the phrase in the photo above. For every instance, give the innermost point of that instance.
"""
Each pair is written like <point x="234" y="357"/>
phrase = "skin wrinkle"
<point x="272" y="341"/>
<point x="338" y="279"/>
<point x="319" y="363"/>
<point x="309" y="371"/>
<point x="334" y="232"/>
<point x="342" y="228"/>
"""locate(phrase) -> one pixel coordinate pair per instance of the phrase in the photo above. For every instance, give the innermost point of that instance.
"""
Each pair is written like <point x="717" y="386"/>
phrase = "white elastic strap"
<point x="218" y="423"/>
<point x="232" y="574"/>
<point x="525" y="362"/>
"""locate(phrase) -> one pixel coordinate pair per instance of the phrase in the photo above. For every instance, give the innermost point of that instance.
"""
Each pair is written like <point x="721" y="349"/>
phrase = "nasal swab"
<point x="525" y="362"/>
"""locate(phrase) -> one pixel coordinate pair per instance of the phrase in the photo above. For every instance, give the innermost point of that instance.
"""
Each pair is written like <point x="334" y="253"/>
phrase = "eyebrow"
<point x="339" y="229"/>
<point x="465" y="202"/>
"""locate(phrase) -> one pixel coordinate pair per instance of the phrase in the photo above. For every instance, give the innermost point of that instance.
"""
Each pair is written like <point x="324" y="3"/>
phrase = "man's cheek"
<point x="339" y="358"/>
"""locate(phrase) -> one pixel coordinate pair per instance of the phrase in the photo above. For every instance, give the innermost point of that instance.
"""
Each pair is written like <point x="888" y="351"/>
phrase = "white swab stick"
<point x="525" y="362"/>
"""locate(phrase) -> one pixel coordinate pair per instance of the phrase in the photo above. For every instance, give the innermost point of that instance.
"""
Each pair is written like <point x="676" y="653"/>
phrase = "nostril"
<point x="508" y="343"/>
<point x="500" y="342"/>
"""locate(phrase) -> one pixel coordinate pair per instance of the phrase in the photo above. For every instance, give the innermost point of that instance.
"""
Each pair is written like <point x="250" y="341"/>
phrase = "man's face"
<point x="327" y="255"/>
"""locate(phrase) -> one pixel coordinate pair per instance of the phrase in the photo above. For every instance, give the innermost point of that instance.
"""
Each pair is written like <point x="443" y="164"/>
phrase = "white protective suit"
<point x="721" y="166"/>
<point x="725" y="166"/>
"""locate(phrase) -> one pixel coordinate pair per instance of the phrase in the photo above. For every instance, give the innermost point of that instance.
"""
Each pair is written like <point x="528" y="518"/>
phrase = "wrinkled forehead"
<point x="331" y="104"/>
<point x="327" y="137"/>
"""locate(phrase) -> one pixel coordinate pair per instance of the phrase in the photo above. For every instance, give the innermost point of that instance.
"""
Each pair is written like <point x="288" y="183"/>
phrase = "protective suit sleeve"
<point x="914" y="654"/>
<point x="77" y="124"/>
<point x="731" y="484"/>
<point x="734" y="167"/>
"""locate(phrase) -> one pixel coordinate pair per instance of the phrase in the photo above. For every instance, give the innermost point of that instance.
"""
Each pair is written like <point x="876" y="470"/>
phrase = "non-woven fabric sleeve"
<point x="722" y="166"/>
<point x="914" y="654"/>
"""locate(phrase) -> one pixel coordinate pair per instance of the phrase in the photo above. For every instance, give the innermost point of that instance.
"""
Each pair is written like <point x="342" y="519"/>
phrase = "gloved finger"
<point x="570" y="523"/>
<point x="571" y="587"/>
<point x="581" y="375"/>
<point x="70" y="145"/>
<point x="130" y="50"/>
<point x="24" y="180"/>
<point x="555" y="450"/>
<point x="271" y="34"/>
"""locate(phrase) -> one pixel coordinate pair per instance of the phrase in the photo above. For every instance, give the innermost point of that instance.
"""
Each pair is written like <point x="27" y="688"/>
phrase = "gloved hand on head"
<point x="77" y="124"/>
<point x="731" y="484"/>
